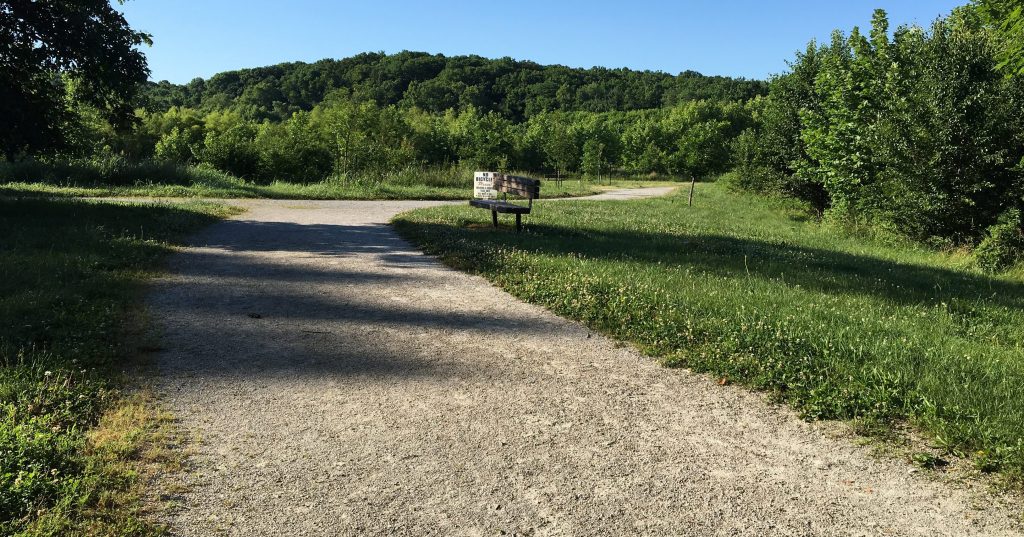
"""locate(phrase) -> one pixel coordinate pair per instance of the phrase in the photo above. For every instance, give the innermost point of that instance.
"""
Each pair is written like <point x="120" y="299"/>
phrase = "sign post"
<point x="483" y="186"/>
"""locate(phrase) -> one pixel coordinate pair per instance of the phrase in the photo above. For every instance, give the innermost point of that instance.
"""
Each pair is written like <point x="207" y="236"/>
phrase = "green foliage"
<point x="516" y="90"/>
<point x="702" y="132"/>
<point x="69" y="274"/>
<point x="693" y="139"/>
<point x="772" y="155"/>
<point x="292" y="151"/>
<point x="347" y="139"/>
<point x="1003" y="246"/>
<point x="229" y="145"/>
<point x="915" y="132"/>
<point x="180" y="145"/>
<point x="56" y="55"/>
<point x="1007" y="18"/>
<point x="363" y="137"/>
<point x="595" y="160"/>
<point x="555" y="136"/>
<point x="841" y="327"/>
<point x="109" y="172"/>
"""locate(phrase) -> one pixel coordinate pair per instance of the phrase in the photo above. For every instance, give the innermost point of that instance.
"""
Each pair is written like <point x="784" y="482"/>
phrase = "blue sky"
<point x="725" y="37"/>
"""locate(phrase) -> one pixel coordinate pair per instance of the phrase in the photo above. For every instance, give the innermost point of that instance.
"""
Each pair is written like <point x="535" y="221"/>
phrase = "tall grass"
<point x="751" y="289"/>
<point x="109" y="171"/>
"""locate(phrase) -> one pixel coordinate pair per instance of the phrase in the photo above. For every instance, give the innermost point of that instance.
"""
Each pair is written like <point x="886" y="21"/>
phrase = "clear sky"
<point x="751" y="38"/>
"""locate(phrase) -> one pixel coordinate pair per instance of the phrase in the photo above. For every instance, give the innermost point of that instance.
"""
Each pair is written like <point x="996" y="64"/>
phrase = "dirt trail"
<point x="342" y="384"/>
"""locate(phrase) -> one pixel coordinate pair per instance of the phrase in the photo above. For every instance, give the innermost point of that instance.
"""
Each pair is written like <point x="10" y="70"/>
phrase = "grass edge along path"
<point x="77" y="440"/>
<point x="753" y="291"/>
<point x="237" y="188"/>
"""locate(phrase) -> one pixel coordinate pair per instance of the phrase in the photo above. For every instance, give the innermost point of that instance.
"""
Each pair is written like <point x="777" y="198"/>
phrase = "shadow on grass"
<point x="826" y="271"/>
<point x="61" y="259"/>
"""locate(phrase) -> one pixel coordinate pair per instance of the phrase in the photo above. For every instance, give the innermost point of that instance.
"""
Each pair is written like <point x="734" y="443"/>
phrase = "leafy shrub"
<point x="109" y="171"/>
<point x="233" y="150"/>
<point x="1004" y="245"/>
<point x="180" y="145"/>
<point x="914" y="131"/>
<point x="293" y="152"/>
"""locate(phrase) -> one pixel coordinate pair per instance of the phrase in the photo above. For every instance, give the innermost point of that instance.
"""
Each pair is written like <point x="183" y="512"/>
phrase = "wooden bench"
<point x="523" y="187"/>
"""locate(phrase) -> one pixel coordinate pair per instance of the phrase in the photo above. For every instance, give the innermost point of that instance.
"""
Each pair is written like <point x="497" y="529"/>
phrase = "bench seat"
<point x="523" y="187"/>
<point x="500" y="206"/>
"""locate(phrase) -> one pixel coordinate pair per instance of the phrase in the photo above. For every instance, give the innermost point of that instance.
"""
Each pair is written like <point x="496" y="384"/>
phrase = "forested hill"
<point x="435" y="83"/>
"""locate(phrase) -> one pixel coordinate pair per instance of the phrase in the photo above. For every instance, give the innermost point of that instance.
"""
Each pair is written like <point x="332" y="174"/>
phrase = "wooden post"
<point x="693" y="181"/>
<point x="519" y="222"/>
<point x="494" y="218"/>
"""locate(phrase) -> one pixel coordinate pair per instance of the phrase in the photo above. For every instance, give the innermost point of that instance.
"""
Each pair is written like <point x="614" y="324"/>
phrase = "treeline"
<point x="918" y="132"/>
<point x="344" y="137"/>
<point x="372" y="115"/>
<point x="516" y="90"/>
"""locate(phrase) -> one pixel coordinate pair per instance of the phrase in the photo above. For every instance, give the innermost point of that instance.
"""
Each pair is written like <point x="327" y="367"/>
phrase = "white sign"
<point x="483" y="186"/>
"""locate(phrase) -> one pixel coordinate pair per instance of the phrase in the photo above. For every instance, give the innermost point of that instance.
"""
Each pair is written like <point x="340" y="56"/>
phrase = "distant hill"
<point x="435" y="83"/>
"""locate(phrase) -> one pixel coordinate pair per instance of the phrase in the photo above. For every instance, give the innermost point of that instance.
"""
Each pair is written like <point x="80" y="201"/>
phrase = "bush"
<point x="107" y="171"/>
<point x="293" y="152"/>
<point x="233" y="150"/>
<point x="1003" y="246"/>
<point x="181" y="145"/>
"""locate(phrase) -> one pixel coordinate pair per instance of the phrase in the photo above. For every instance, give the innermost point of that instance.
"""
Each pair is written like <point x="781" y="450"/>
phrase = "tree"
<point x="1007" y="18"/>
<point x="230" y="145"/>
<point x="594" y="158"/>
<point x="553" y="135"/>
<point x="702" y="144"/>
<point x="772" y="155"/>
<point x="914" y="131"/>
<point x="645" y="144"/>
<point x="54" y="53"/>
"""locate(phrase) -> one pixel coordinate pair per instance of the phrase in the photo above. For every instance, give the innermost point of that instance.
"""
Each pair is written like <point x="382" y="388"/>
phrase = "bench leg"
<point x="519" y="222"/>
<point x="494" y="218"/>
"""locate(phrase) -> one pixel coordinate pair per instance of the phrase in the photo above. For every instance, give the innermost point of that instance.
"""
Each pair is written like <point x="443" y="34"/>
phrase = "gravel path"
<point x="341" y="383"/>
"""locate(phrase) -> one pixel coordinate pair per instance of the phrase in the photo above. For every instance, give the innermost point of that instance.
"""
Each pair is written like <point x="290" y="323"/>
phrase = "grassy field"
<point x="753" y="291"/>
<point x="154" y="179"/>
<point x="237" y="188"/>
<point x="74" y="444"/>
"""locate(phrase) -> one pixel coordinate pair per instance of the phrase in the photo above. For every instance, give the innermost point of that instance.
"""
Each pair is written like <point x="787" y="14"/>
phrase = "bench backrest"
<point x="523" y="187"/>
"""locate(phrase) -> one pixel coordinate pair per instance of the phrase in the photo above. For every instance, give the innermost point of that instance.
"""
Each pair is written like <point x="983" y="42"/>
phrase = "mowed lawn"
<point x="752" y="290"/>
<point x="72" y="441"/>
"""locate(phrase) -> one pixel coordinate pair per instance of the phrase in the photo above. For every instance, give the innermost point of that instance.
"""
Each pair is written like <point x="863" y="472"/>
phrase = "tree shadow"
<point x="258" y="298"/>
<point x="240" y="235"/>
<point x="822" y="270"/>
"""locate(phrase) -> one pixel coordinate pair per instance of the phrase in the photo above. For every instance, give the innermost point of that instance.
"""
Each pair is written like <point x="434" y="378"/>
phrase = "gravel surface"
<point x="341" y="383"/>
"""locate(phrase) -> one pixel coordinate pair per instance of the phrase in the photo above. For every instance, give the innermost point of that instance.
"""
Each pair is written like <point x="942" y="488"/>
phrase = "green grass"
<point x="116" y="177"/>
<point x="752" y="290"/>
<point x="236" y="188"/>
<point x="70" y="274"/>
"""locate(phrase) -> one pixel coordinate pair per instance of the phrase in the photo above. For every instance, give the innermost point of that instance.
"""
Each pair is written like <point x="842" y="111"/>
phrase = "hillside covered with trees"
<point x="434" y="83"/>
<point x="912" y="131"/>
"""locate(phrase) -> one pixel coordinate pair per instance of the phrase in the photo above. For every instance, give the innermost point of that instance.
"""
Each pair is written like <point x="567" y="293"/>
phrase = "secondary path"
<point x="341" y="383"/>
